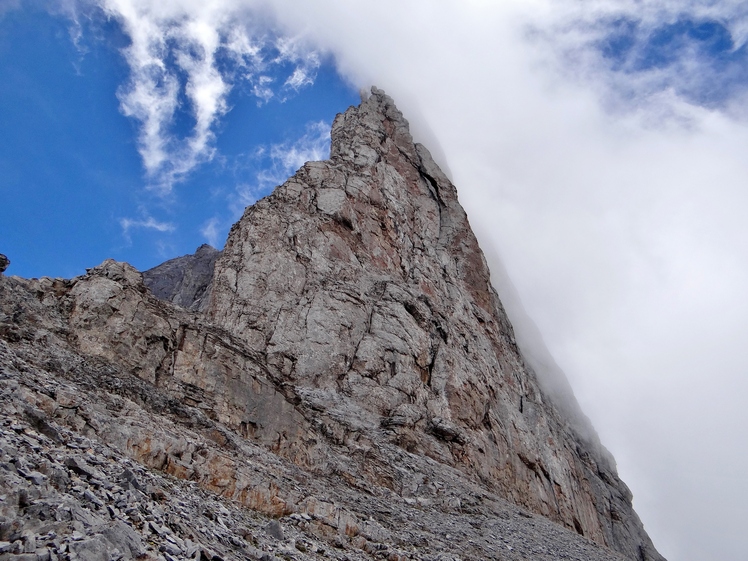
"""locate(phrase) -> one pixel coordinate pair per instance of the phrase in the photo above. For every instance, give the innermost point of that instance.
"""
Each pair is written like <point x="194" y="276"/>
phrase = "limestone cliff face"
<point x="352" y="364"/>
<point x="361" y="283"/>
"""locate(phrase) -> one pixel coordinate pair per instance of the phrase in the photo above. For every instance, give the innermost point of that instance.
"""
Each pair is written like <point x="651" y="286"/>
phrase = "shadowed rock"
<point x="4" y="262"/>
<point x="184" y="281"/>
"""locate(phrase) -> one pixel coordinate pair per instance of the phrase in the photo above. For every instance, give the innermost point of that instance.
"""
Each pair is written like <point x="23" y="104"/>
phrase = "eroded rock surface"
<point x="353" y="377"/>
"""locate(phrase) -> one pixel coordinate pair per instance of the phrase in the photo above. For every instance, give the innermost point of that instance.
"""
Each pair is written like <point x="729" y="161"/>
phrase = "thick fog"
<point x="599" y="149"/>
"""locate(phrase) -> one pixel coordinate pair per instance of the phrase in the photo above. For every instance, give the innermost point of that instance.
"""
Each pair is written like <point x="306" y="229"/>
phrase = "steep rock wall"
<point x="362" y="283"/>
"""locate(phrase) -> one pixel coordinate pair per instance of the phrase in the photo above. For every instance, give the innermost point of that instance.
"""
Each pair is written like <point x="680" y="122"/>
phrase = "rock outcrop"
<point x="4" y="263"/>
<point x="353" y="374"/>
<point x="185" y="280"/>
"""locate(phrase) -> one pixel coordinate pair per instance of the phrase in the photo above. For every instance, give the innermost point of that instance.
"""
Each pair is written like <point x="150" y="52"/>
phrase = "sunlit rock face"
<point x="348" y="368"/>
<point x="362" y="285"/>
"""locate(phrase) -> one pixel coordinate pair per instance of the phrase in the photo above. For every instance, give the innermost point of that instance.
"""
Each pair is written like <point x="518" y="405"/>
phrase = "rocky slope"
<point x="88" y="471"/>
<point x="353" y="373"/>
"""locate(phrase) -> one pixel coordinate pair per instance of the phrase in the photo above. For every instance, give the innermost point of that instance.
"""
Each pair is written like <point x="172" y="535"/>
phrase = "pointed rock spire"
<point x="361" y="284"/>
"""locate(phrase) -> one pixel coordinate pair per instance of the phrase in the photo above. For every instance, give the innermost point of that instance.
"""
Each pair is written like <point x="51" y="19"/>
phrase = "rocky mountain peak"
<point x="343" y="365"/>
<point x="362" y="286"/>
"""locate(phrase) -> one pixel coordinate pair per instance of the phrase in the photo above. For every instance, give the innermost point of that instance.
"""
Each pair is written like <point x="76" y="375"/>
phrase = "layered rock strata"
<point x="103" y="460"/>
<point x="353" y="367"/>
<point x="100" y="460"/>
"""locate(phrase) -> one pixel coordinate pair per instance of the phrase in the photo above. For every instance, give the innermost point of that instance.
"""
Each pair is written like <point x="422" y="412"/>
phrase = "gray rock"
<point x="275" y="530"/>
<point x="35" y="477"/>
<point x="4" y="262"/>
<point x="124" y="539"/>
<point x="185" y="280"/>
<point x="130" y="479"/>
<point x="79" y="466"/>
<point x="96" y="548"/>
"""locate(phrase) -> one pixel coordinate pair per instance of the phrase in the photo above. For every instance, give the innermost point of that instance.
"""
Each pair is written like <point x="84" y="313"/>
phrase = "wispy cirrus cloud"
<point x="184" y="59"/>
<point x="211" y="231"/>
<point x="269" y="166"/>
<point x="286" y="157"/>
<point x="144" y="223"/>
<point x="277" y="162"/>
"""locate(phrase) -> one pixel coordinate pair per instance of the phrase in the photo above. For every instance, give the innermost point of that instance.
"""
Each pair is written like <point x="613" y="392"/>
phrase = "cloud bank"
<point x="599" y="146"/>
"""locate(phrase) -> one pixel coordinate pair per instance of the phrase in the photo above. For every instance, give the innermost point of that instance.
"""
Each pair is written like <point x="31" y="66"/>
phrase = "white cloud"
<point x="307" y="62"/>
<point x="211" y="231"/>
<point x="299" y="79"/>
<point x="616" y="202"/>
<point x="277" y="162"/>
<point x="146" y="223"/>
<point x="175" y="76"/>
<point x="287" y="157"/>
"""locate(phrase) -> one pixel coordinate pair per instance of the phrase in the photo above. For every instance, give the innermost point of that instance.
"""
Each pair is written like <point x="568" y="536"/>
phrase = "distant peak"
<point x="205" y="248"/>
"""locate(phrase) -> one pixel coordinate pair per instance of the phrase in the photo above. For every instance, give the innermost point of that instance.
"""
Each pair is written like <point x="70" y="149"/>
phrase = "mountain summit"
<point x="348" y="368"/>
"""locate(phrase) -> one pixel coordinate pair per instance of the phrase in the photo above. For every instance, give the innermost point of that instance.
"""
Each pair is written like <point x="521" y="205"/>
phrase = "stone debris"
<point x="95" y="463"/>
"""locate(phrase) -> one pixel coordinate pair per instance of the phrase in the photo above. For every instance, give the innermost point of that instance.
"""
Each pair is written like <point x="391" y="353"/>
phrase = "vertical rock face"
<point x="363" y="287"/>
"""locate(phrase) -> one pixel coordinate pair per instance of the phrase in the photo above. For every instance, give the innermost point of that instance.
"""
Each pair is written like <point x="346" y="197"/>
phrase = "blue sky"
<point x="73" y="187"/>
<point x="598" y="147"/>
<point x="706" y="44"/>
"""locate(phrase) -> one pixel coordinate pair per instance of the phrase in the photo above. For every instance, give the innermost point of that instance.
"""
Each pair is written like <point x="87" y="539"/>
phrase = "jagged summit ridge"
<point x="352" y="371"/>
